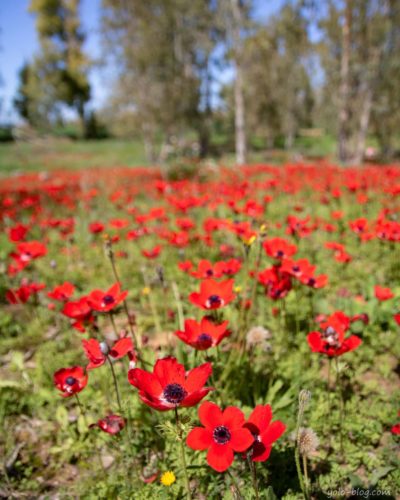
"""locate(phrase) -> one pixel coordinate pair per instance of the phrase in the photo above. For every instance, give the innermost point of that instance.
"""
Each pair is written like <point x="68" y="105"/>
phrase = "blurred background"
<point x="95" y="82"/>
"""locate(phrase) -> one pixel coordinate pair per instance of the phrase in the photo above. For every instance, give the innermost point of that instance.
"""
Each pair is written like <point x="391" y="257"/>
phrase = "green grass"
<point x="54" y="154"/>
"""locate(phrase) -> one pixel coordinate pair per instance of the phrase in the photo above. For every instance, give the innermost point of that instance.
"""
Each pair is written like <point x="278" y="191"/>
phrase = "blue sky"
<point x="18" y="43"/>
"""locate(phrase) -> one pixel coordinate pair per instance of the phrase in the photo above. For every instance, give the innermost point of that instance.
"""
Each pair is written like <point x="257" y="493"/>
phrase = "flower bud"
<point x="104" y="348"/>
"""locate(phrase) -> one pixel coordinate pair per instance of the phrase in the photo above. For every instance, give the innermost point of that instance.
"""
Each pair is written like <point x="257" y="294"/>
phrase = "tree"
<point x="278" y="89"/>
<point x="162" y="51"/>
<point x="58" y="75"/>
<point x="358" y="54"/>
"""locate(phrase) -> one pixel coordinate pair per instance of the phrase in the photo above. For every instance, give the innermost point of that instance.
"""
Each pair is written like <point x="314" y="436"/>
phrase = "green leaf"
<point x="380" y="474"/>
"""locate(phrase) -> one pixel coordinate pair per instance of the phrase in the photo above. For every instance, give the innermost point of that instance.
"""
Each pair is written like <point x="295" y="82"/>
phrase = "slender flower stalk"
<point x="253" y="471"/>
<point x="341" y="407"/>
<point x="115" y="384"/>
<point x="304" y="398"/>
<point x="110" y="255"/>
<point x="183" y="454"/>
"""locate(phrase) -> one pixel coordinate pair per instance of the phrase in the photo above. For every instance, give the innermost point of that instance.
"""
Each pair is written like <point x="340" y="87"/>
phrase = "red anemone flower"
<point x="314" y="281"/>
<point x="331" y="340"/>
<point x="106" y="301"/>
<point x="223" y="434"/>
<point x="70" y="381"/>
<point x="297" y="269"/>
<point x="279" y="248"/>
<point x="264" y="432"/>
<point x="62" y="292"/>
<point x="213" y="295"/>
<point x="170" y="386"/>
<point x="21" y="295"/>
<point x="153" y="253"/>
<point x="80" y="311"/>
<point x="204" y="334"/>
<point x="112" y="424"/>
<point x="382" y="293"/>
<point x="97" y="352"/>
<point x="206" y="270"/>
<point x="96" y="227"/>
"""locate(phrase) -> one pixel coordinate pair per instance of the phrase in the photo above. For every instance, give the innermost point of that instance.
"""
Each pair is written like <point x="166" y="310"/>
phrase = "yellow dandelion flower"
<point x="146" y="290"/>
<point x="238" y="289"/>
<point x="168" y="478"/>
<point x="250" y="241"/>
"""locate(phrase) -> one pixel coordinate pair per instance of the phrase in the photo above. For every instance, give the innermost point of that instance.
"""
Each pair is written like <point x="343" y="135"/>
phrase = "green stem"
<point x="110" y="254"/>
<point x="253" y="471"/>
<point x="178" y="301"/>
<point x="115" y="384"/>
<point x="306" y="480"/>
<point x="298" y="468"/>
<point x="341" y="408"/>
<point x="296" y="450"/>
<point x="183" y="455"/>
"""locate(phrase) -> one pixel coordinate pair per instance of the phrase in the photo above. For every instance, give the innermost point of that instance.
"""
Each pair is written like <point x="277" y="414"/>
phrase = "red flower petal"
<point x="220" y="457"/>
<point x="197" y="377"/>
<point x="274" y="431"/>
<point x="169" y="371"/>
<point x="199" y="438"/>
<point x="145" y="381"/>
<point x="210" y="415"/>
<point x="233" y="417"/>
<point x="241" y="439"/>
<point x="261" y="416"/>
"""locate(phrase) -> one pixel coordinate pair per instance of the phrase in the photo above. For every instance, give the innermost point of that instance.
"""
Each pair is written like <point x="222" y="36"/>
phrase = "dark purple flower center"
<point x="174" y="393"/>
<point x="296" y="269"/>
<point x="204" y="340"/>
<point x="70" y="380"/>
<point x="108" y="299"/>
<point x="311" y="281"/>
<point x="209" y="272"/>
<point x="214" y="300"/>
<point x="221" y="435"/>
<point x="279" y="253"/>
<point x="331" y="337"/>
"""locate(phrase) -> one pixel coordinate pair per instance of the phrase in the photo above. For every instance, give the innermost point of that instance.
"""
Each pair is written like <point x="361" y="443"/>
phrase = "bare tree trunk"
<point x="344" y="90"/>
<point x="240" y="126"/>
<point x="363" y="128"/>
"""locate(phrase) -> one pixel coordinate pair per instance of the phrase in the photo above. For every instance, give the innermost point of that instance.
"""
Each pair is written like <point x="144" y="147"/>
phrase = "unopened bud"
<point x="104" y="348"/>
<point x="304" y="398"/>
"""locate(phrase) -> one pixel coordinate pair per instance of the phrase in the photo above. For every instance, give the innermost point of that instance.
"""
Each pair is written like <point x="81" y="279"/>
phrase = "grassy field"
<point x="161" y="233"/>
<point x="64" y="154"/>
<point x="49" y="154"/>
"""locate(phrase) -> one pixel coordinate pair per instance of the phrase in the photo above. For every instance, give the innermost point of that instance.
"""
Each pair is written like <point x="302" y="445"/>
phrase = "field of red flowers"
<point x="234" y="334"/>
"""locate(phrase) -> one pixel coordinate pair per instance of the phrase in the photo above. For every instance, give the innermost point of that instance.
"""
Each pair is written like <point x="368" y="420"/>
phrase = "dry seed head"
<point x="307" y="441"/>
<point x="258" y="335"/>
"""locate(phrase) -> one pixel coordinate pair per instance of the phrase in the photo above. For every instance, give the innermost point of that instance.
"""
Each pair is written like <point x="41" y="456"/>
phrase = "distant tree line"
<point x="330" y="64"/>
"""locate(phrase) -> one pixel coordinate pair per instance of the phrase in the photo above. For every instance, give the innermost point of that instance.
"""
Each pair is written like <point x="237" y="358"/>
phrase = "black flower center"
<point x="311" y="281"/>
<point x="221" y="435"/>
<point x="331" y="337"/>
<point x="279" y="253"/>
<point x="204" y="340"/>
<point x="70" y="380"/>
<point x="296" y="269"/>
<point x="108" y="299"/>
<point x="174" y="393"/>
<point x="214" y="300"/>
<point x="209" y="272"/>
